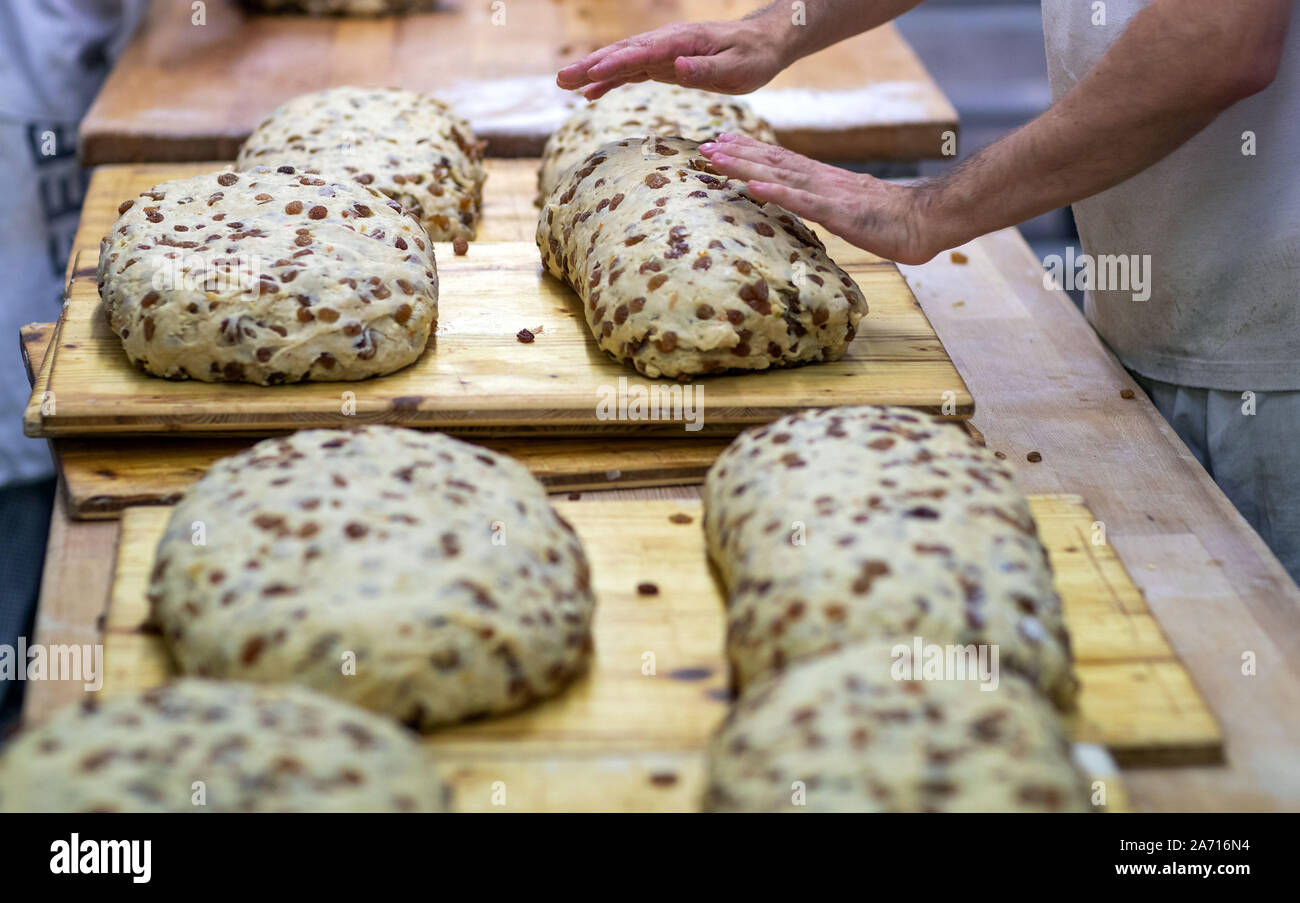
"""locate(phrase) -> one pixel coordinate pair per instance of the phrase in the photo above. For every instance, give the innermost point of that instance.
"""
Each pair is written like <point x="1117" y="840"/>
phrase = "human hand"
<point x="897" y="222"/>
<point x="728" y="57"/>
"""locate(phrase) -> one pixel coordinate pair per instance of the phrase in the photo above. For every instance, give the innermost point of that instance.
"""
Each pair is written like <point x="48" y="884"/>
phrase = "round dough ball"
<point x="839" y="733"/>
<point x="255" y="749"/>
<point x="407" y="572"/>
<point x="268" y="277"/>
<point x="410" y="146"/>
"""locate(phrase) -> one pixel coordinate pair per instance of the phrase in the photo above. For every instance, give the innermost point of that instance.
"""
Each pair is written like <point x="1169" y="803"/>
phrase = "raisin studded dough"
<point x="681" y="273"/>
<point x="410" y="146"/>
<point x="256" y="749"/>
<point x="860" y="741"/>
<point x="438" y="567"/>
<point x="267" y="277"/>
<point x="834" y="526"/>
<point x="645" y="108"/>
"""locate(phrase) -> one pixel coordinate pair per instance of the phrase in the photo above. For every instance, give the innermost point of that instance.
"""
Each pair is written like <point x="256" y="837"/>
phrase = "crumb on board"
<point x="575" y="496"/>
<point x="525" y="336"/>
<point x="1126" y="393"/>
<point x="680" y="518"/>
<point x="1033" y="457"/>
<point x="460" y="246"/>
<point x="1001" y="456"/>
<point x="959" y="258"/>
<point x="647" y="589"/>
<point x="537" y="330"/>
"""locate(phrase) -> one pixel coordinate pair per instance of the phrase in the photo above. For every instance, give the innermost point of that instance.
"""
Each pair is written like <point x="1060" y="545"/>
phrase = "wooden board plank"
<point x="476" y="379"/>
<point x="193" y="92"/>
<point x="101" y="477"/>
<point x="631" y="730"/>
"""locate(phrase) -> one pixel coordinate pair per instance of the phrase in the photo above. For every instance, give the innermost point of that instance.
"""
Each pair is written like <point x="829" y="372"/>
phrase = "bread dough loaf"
<point x="406" y="572"/>
<point x="838" y="733"/>
<point x="267" y="277"/>
<point x="340" y="7"/>
<point x="410" y="146"/>
<point x="682" y="273"/>
<point x="846" y="524"/>
<point x="255" y="749"/>
<point x="645" y="108"/>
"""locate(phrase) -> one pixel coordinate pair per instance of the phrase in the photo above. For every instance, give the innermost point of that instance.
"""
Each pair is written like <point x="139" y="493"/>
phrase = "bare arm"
<point x="731" y="57"/>
<point x="1178" y="65"/>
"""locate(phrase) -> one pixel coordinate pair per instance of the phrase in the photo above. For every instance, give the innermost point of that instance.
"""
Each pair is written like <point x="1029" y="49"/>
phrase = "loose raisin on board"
<point x="525" y="335"/>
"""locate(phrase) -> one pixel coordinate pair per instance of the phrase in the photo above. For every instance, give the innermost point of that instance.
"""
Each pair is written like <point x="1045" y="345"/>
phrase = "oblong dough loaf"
<point x="268" y="277"/>
<point x="256" y="749"/>
<point x="682" y="273"/>
<point x="846" y="524"/>
<point x="438" y="567"/>
<point x="857" y="740"/>
<point x="410" y="146"/>
<point x="645" y="108"/>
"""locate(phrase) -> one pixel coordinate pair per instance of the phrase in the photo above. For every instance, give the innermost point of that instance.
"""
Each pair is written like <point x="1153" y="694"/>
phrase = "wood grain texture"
<point x="101" y="477"/>
<point x="194" y="92"/>
<point x="1047" y="384"/>
<point x="1136" y="698"/>
<point x="476" y="379"/>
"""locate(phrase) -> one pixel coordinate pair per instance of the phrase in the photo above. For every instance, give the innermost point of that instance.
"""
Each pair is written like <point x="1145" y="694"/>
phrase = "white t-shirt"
<point x="53" y="56"/>
<point x="1222" y="228"/>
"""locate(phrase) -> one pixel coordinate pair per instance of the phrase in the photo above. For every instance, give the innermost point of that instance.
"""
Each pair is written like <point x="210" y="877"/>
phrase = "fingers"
<point x="745" y="158"/>
<point x="806" y="204"/>
<point x="574" y="75"/>
<point x="600" y="89"/>
<point x="652" y="52"/>
<point x="740" y="168"/>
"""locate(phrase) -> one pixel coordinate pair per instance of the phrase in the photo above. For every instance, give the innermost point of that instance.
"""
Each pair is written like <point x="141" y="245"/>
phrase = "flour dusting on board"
<point x="529" y="104"/>
<point x="888" y="103"/>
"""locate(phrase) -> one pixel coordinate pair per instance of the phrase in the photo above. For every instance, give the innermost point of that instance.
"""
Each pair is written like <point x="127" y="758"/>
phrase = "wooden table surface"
<point x="184" y="91"/>
<point x="1045" y="384"/>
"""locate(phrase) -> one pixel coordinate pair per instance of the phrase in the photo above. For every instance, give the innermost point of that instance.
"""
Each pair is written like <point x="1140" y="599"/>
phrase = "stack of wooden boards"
<point x="53" y="418"/>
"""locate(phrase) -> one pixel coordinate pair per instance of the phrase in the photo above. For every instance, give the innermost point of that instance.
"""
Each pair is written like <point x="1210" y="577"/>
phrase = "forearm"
<point x="821" y="23"/>
<point x="1173" y="70"/>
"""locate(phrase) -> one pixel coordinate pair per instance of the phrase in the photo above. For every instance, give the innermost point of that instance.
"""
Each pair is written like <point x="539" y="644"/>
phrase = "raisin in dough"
<point x="267" y="277"/>
<point x="410" y="146"/>
<point x="839" y="525"/>
<point x="439" y="567"/>
<point x="256" y="749"/>
<point x="858" y="740"/>
<point x="645" y="108"/>
<point x="681" y="273"/>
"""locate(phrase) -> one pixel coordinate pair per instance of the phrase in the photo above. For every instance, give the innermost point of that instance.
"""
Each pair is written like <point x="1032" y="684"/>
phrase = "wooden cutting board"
<point x="183" y="91"/>
<point x="101" y="477"/>
<point x="477" y="379"/>
<point x="621" y="739"/>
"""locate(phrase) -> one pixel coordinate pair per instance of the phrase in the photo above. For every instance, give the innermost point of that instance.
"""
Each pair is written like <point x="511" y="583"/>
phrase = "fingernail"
<point x="725" y="136"/>
<point x="708" y="146"/>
